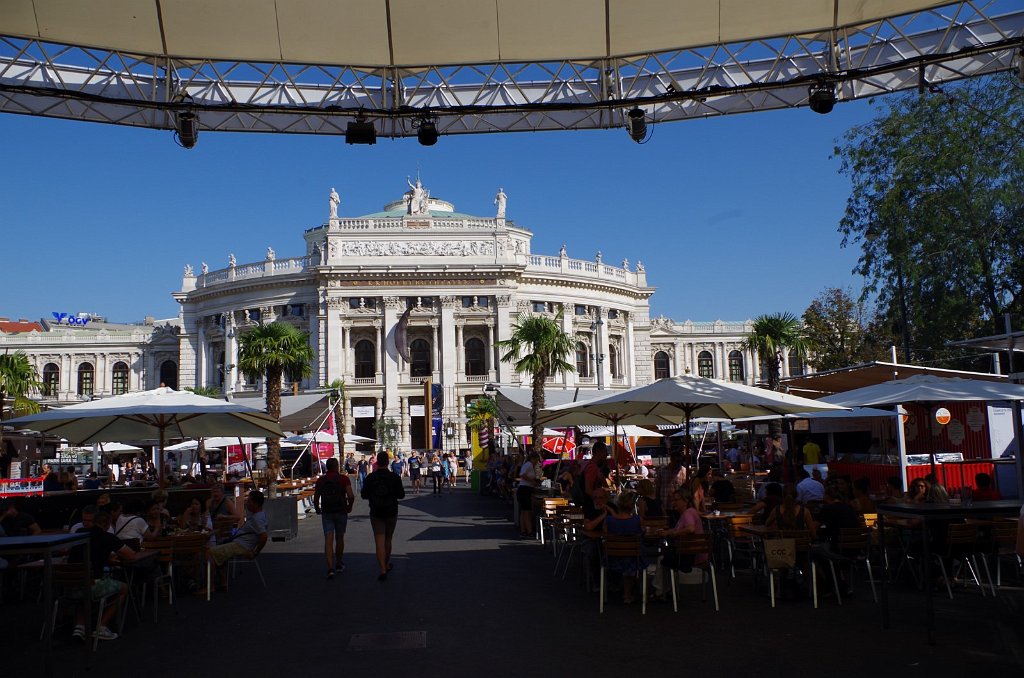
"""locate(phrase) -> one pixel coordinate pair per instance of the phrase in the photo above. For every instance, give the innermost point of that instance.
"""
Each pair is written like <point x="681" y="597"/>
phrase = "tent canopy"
<point x="927" y="389"/>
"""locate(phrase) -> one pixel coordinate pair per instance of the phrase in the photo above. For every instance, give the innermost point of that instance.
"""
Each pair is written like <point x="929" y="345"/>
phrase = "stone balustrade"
<point x="260" y="269"/>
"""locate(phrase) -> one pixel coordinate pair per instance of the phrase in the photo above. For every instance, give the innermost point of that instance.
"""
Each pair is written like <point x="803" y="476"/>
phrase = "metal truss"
<point x="956" y="41"/>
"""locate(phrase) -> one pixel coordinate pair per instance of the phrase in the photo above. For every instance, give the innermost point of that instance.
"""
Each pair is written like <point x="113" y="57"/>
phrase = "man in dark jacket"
<point x="382" y="489"/>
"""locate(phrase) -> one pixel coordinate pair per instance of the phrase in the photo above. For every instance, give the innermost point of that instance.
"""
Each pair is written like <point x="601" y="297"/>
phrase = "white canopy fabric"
<point x="627" y="430"/>
<point x="118" y="448"/>
<point x="927" y="389"/>
<point x="309" y="66"/>
<point x="853" y="412"/>
<point x="325" y="437"/>
<point x="527" y="431"/>
<point x="678" y="399"/>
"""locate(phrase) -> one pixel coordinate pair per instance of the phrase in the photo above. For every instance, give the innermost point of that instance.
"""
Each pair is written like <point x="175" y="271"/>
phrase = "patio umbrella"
<point x="627" y="430"/>
<point x="325" y="437"/>
<point x="679" y="399"/>
<point x="160" y="413"/>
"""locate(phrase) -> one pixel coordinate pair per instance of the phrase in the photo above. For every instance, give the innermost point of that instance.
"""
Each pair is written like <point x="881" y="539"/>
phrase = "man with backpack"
<point x="383" y="489"/>
<point x="333" y="500"/>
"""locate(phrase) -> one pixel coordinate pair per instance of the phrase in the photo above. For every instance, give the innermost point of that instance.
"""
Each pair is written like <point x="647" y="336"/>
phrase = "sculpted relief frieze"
<point x="437" y="248"/>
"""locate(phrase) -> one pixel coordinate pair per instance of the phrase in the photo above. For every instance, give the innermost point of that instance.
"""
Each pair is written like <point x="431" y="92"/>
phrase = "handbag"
<point x="780" y="553"/>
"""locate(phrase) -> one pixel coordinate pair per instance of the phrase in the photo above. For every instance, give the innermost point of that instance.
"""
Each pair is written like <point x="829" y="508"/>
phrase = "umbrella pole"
<point x="163" y="479"/>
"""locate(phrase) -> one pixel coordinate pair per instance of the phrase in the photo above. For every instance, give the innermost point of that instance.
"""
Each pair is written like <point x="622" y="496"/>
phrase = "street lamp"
<point x="449" y="433"/>
<point x="597" y="327"/>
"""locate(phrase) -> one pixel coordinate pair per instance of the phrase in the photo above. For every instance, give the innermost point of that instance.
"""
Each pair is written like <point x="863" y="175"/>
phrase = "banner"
<point x="22" y="487"/>
<point x="435" y="433"/>
<point x="236" y="458"/>
<point x="325" y="450"/>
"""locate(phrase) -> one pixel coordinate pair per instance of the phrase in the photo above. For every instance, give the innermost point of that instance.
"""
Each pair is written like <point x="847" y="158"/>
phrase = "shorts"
<point x="385" y="526"/>
<point x="106" y="587"/>
<point x="524" y="495"/>
<point x="414" y="474"/>
<point x="334" y="522"/>
<point x="222" y="553"/>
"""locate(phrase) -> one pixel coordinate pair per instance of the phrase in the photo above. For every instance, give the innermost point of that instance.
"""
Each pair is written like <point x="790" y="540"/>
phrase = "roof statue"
<point x="418" y="197"/>
<point x="500" y="200"/>
<point x="271" y="255"/>
<point x="335" y="200"/>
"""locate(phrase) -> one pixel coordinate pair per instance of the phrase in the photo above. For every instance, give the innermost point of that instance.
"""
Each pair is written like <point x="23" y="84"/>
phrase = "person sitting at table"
<point x="87" y="519"/>
<point x="722" y="491"/>
<point x="936" y="492"/>
<point x="247" y="542"/>
<point x="92" y="482"/>
<point x="807" y="488"/>
<point x="862" y="502"/>
<point x="917" y="491"/>
<point x="647" y="504"/>
<point x="51" y="480"/>
<point x="104" y="549"/>
<point x="128" y="525"/>
<point x="221" y="505"/>
<point x="893" y="490"/>
<point x="985" y="491"/>
<point x="70" y="479"/>
<point x="763" y="508"/>
<point x="625" y="522"/>
<point x="689" y="522"/>
<point x="17" y="523"/>
<point x="156" y="520"/>
<point x="195" y="518"/>
<point x="791" y="514"/>
<point x="567" y="478"/>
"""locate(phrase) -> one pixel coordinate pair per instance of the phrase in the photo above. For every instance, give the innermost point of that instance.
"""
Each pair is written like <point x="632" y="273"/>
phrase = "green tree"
<point x="271" y="351"/>
<point x="770" y="337"/>
<point x="841" y="331"/>
<point x="17" y="379"/>
<point x="481" y="414"/>
<point x="936" y="204"/>
<point x="336" y="396"/>
<point x="538" y="347"/>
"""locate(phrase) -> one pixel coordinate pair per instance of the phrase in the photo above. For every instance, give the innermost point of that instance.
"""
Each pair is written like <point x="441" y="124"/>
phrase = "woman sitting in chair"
<point x="624" y="522"/>
<point x="789" y="515"/>
<point x="689" y="523"/>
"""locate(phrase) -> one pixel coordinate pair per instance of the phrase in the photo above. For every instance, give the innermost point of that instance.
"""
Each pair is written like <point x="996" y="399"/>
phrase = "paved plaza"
<point x="468" y="598"/>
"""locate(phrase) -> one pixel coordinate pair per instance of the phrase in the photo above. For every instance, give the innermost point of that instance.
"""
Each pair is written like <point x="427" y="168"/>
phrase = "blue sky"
<point x="732" y="216"/>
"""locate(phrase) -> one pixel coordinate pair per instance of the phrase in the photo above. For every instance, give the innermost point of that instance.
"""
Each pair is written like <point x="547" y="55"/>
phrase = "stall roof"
<point x="869" y="374"/>
<point x="1009" y="341"/>
<point x="298" y="412"/>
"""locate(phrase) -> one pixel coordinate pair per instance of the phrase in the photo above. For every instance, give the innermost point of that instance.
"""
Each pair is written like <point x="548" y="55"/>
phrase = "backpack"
<point x="332" y="496"/>
<point x="379" y="494"/>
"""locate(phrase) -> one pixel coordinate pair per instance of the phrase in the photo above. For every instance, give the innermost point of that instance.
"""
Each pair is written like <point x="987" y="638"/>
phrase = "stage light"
<point x="360" y="131"/>
<point x="821" y="97"/>
<point x="186" y="132"/>
<point x="427" y="133"/>
<point x="637" y="125"/>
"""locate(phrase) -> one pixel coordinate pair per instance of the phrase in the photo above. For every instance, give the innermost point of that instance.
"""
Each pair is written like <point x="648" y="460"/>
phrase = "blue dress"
<point x="628" y="527"/>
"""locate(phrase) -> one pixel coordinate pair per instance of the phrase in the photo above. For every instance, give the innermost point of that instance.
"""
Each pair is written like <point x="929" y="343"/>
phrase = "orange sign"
<point x="942" y="416"/>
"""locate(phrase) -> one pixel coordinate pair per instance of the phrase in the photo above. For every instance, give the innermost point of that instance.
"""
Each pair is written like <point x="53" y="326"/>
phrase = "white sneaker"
<point x="103" y="633"/>
<point x="78" y="633"/>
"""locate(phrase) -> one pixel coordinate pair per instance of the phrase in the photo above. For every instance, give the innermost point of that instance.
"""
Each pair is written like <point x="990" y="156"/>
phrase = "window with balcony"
<point x="119" y="378"/>
<point x="705" y="365"/>
<point x="86" y="380"/>
<point x="661" y="366"/>
<point x="51" y="380"/>
<point x="366" y="360"/>
<point x="476" y="363"/>
<point x="736" y="366"/>
<point x="419" y="358"/>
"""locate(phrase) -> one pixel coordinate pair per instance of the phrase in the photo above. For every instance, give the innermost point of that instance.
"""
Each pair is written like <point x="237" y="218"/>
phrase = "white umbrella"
<point x="118" y="448"/>
<point x="627" y="430"/>
<point x="325" y="437"/>
<point x="160" y="413"/>
<point x="528" y="431"/>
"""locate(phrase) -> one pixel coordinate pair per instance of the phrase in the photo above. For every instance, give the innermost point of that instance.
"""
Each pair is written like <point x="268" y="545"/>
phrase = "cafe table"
<point x="929" y="513"/>
<point x="47" y="546"/>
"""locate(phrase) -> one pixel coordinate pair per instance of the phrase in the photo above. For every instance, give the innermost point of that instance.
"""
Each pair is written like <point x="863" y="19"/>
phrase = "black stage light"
<point x="427" y="133"/>
<point x="360" y="131"/>
<point x="821" y="97"/>
<point x="636" y="125"/>
<point x="187" y="130"/>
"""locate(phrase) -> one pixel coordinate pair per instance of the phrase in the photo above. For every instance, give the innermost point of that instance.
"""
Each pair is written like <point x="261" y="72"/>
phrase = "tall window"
<point x="796" y="366"/>
<point x="119" y="379"/>
<point x="613" y="361"/>
<point x="51" y="380"/>
<point x="169" y="374"/>
<point x="736" y="366"/>
<point x="476" y="365"/>
<point x="661" y="366"/>
<point x="582" y="360"/>
<point x="366" y="360"/>
<point x="85" y="379"/>
<point x="419" y="354"/>
<point x="705" y="364"/>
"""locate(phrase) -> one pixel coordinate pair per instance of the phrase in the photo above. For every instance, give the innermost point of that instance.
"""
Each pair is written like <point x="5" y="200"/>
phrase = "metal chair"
<point x="73" y="582"/>
<point x="853" y="549"/>
<point x="624" y="547"/>
<point x="960" y="547"/>
<point x="689" y="547"/>
<point x="802" y="543"/>
<point x="165" y="573"/>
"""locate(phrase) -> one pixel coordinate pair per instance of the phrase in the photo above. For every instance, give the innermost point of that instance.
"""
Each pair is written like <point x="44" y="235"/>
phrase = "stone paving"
<point x="467" y="597"/>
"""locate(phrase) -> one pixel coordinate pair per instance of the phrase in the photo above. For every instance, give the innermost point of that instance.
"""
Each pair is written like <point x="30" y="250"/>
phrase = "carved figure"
<point x="625" y="264"/>
<point x="335" y="200"/>
<point x="500" y="201"/>
<point x="231" y="260"/>
<point x="270" y="254"/>
<point x="640" y="267"/>
<point x="204" y="268"/>
<point x="188" y="270"/>
<point x="561" y="251"/>
<point x="418" y="199"/>
<point x="598" y="257"/>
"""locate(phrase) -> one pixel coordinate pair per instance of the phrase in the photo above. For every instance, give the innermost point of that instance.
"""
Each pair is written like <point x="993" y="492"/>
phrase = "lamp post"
<point x="449" y="434"/>
<point x="597" y="327"/>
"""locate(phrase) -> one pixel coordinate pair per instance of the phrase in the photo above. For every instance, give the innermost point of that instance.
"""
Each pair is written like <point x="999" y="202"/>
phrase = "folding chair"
<point x="692" y="546"/>
<point x="624" y="547"/>
<point x="73" y="582"/>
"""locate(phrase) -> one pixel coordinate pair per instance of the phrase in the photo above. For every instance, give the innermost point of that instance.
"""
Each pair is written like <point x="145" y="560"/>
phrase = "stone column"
<point x="231" y="371"/>
<point x="392" y="306"/>
<point x="449" y="348"/>
<point x="333" y="340"/>
<point x="503" y="311"/>
<point x="489" y="356"/>
<point x="202" y="356"/>
<point x="628" y="351"/>
<point x="460" y="353"/>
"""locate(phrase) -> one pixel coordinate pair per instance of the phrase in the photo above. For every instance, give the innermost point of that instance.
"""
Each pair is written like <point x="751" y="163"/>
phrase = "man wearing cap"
<point x="382" y="489"/>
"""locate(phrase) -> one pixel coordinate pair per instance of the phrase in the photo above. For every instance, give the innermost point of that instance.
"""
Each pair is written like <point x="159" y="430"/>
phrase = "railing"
<point x="590" y="269"/>
<point x="260" y="269"/>
<point x="74" y="337"/>
<point x="476" y="378"/>
<point x="364" y="381"/>
<point x="392" y="223"/>
<point x="585" y="380"/>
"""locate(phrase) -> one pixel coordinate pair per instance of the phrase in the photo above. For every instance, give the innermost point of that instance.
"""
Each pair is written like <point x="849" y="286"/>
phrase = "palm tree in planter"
<point x="17" y="379"/>
<point x="481" y="414"/>
<point x="336" y="396"/>
<point x="538" y="347"/>
<point x="271" y="351"/>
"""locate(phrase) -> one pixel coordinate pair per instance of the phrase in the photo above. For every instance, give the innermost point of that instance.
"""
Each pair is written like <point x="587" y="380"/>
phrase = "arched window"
<point x="419" y="357"/>
<point x="582" y="360"/>
<point x="366" y="360"/>
<point x="661" y="366"/>
<point x="169" y="374"/>
<point x="85" y="380"/>
<point x="51" y="380"/>
<point x="119" y="378"/>
<point x="613" y="361"/>
<point x="476" y="364"/>
<point x="705" y="365"/>
<point x="796" y="365"/>
<point x="736" y="366"/>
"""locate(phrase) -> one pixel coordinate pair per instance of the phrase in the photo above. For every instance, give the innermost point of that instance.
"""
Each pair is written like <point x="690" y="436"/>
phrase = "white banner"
<point x="363" y="412"/>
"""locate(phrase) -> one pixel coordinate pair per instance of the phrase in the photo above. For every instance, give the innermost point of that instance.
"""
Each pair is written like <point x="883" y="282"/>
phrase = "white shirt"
<point x="528" y="475"/>
<point x="131" y="527"/>
<point x="809" y="489"/>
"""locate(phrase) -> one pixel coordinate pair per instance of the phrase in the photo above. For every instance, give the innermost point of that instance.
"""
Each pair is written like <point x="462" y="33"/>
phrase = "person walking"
<point x="382" y="489"/>
<point x="333" y="500"/>
<point x="415" y="465"/>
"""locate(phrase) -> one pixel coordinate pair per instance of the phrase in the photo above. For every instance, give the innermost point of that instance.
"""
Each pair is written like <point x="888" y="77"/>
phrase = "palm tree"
<point x="538" y="347"/>
<point x="770" y="336"/>
<point x="209" y="392"/>
<point x="481" y="413"/>
<point x="271" y="351"/>
<point x="17" y="379"/>
<point x="336" y="395"/>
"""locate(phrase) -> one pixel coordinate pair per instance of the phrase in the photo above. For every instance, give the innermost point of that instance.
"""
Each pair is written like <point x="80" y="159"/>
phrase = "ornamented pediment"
<point x="403" y="248"/>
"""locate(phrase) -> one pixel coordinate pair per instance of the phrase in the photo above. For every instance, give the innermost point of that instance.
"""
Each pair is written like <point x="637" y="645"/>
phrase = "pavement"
<point x="467" y="597"/>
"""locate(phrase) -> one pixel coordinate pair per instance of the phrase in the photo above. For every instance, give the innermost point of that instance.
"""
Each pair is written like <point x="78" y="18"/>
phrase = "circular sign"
<point x="942" y="416"/>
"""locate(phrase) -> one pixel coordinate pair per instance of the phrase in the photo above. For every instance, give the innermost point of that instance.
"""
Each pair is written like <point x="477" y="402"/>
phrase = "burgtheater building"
<point x="416" y="291"/>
